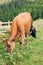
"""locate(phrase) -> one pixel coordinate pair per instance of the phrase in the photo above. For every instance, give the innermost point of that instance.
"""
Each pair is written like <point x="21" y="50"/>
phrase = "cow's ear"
<point x="6" y="40"/>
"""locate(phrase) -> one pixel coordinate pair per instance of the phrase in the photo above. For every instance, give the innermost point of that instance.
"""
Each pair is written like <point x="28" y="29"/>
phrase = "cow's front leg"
<point x="17" y="36"/>
<point x="13" y="44"/>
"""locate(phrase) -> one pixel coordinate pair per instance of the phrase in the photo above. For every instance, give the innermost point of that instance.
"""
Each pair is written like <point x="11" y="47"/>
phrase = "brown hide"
<point x="20" y="26"/>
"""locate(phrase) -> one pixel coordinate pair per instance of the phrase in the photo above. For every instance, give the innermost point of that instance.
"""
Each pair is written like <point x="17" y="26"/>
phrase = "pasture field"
<point x="30" y="55"/>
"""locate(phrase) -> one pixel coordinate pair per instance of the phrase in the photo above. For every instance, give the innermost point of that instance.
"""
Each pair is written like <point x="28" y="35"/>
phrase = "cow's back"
<point x="24" y="20"/>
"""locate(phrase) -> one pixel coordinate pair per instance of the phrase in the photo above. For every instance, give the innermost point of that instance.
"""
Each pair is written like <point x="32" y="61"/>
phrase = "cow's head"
<point x="33" y="32"/>
<point x="10" y="46"/>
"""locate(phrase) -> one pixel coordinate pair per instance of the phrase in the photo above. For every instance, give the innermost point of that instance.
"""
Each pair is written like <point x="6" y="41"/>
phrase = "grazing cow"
<point x="20" y="27"/>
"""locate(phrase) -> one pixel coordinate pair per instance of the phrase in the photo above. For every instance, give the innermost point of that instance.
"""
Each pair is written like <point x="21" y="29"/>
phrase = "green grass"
<point x="31" y="55"/>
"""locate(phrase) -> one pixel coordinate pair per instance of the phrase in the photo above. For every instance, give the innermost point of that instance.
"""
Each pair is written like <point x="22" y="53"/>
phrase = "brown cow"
<point x="20" y="27"/>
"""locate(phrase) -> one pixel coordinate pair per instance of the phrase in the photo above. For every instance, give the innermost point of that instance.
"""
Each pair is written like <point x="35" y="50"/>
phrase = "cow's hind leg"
<point x="21" y="39"/>
<point x="26" y="38"/>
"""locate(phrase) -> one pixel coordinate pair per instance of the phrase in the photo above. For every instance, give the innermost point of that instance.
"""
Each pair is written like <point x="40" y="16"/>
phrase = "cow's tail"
<point x="31" y="25"/>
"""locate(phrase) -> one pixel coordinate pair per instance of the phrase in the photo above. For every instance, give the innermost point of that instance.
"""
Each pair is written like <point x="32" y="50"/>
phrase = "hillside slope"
<point x="31" y="55"/>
